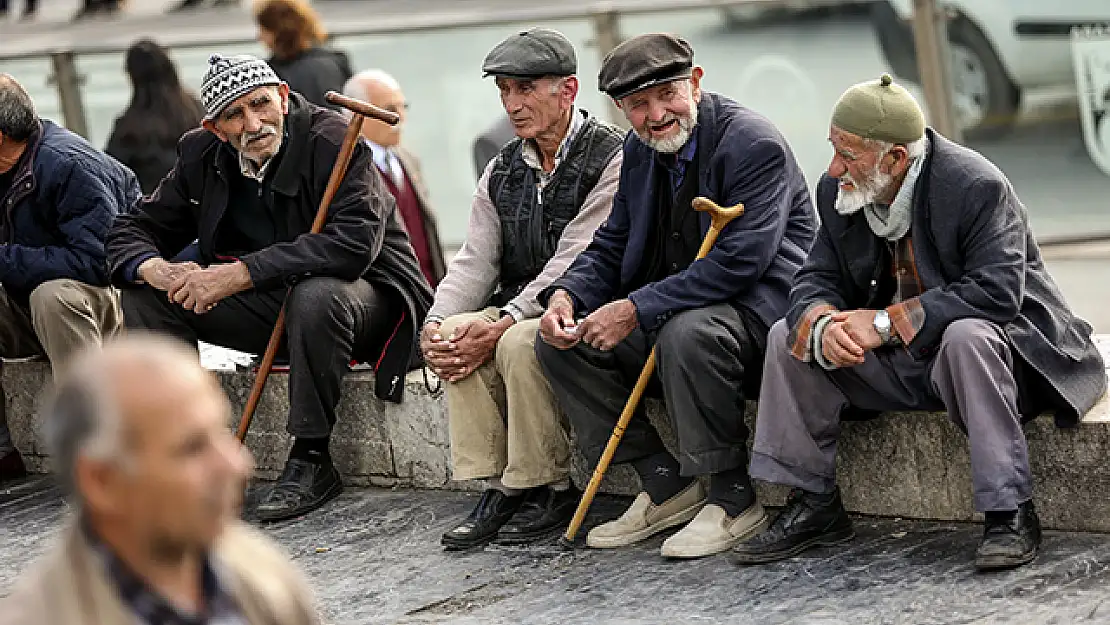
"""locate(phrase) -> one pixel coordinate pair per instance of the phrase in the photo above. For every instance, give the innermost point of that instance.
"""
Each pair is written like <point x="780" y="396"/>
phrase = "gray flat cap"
<point x="645" y="61"/>
<point x="531" y="54"/>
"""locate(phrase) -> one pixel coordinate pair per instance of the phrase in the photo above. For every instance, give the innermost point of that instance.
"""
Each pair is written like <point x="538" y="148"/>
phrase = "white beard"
<point x="864" y="192"/>
<point x="670" y="145"/>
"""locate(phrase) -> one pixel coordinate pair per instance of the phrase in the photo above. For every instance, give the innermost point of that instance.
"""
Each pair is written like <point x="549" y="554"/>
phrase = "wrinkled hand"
<point x="161" y="274"/>
<point x="471" y="345"/>
<point x="200" y="291"/>
<point x="849" y="336"/>
<point x="607" y="326"/>
<point x="557" y="327"/>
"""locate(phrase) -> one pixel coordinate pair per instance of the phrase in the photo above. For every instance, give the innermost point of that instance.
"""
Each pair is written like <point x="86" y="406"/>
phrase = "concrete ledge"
<point x="912" y="465"/>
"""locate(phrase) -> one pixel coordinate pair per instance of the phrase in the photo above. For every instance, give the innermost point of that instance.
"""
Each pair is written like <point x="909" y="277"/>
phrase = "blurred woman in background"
<point x="145" y="136"/>
<point x="292" y="32"/>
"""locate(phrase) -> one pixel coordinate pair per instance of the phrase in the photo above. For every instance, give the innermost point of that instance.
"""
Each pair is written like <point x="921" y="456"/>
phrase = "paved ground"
<point x="373" y="557"/>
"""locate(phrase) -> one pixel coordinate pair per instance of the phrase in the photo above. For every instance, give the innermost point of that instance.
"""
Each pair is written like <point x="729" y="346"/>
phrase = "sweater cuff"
<point x="802" y="346"/>
<point x="818" y="332"/>
<point x="907" y="318"/>
<point x="131" y="269"/>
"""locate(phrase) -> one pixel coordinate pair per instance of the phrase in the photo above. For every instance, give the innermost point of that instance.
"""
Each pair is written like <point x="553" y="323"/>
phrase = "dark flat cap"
<point x="531" y="54"/>
<point x="645" y="61"/>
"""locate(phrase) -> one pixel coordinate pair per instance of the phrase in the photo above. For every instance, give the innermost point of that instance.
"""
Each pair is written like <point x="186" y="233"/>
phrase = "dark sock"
<point x="659" y="476"/>
<point x="314" y="450"/>
<point x="732" y="490"/>
<point x="1000" y="517"/>
<point x="822" y="499"/>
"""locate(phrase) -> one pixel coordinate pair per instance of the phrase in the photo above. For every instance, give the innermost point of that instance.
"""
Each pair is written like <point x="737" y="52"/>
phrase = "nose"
<point x="656" y="112"/>
<point x="837" y="167"/>
<point x="252" y="122"/>
<point x="512" y="103"/>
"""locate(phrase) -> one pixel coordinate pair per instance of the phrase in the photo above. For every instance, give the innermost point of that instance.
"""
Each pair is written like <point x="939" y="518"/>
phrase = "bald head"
<point x="382" y="90"/>
<point x="139" y="431"/>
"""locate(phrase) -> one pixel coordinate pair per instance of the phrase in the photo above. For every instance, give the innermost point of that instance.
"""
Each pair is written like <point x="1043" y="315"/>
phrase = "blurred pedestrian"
<point x="95" y="8"/>
<point x="399" y="168"/>
<point x="30" y="8"/>
<point x="138" y="438"/>
<point x="293" y="34"/>
<point x="145" y="136"/>
<point x="186" y="5"/>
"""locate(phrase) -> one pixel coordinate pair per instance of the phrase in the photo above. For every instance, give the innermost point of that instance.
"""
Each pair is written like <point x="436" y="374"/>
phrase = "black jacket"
<point x="315" y="72"/>
<point x="57" y="212"/>
<point x="363" y="236"/>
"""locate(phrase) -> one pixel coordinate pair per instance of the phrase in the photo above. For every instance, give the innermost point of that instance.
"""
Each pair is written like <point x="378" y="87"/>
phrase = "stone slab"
<point x="912" y="465"/>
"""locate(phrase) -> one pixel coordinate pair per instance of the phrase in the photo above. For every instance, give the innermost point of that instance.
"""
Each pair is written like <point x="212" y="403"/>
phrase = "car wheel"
<point x="985" y="100"/>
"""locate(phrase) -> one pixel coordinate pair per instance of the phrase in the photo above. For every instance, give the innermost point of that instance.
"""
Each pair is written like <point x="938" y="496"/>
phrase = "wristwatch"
<point x="882" y="326"/>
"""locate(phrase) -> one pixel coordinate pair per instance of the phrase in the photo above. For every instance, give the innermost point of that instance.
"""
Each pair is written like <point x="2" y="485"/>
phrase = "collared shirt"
<point x="387" y="162"/>
<point x="150" y="608"/>
<point x="531" y="151"/>
<point x="678" y="162"/>
<point x="251" y="169"/>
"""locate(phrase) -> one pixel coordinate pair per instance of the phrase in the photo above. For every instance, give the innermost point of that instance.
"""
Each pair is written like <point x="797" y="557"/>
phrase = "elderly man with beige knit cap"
<point x="925" y="290"/>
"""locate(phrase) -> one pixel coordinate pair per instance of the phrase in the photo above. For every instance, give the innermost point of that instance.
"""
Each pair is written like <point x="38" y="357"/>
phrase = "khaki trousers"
<point x="504" y="420"/>
<point x="61" y="317"/>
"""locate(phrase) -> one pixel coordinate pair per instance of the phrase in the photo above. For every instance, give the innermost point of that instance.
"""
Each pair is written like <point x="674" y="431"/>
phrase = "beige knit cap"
<point x="880" y="109"/>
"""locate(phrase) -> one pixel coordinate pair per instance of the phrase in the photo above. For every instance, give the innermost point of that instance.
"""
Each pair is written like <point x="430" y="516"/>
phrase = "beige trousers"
<point x="504" y="420"/>
<point x="63" y="316"/>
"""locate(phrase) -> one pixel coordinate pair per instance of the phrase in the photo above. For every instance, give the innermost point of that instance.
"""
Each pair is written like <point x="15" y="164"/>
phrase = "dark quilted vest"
<point x="530" y="225"/>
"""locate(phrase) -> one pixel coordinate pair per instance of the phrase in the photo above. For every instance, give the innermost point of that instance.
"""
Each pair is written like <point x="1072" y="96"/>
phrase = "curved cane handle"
<point x="718" y="218"/>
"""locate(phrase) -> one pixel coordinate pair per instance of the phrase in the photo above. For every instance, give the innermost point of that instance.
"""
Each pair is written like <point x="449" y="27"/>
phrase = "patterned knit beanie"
<point x="231" y="77"/>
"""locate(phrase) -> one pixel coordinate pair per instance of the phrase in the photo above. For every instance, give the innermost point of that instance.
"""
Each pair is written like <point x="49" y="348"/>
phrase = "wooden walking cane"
<point x="360" y="110"/>
<point x="719" y="218"/>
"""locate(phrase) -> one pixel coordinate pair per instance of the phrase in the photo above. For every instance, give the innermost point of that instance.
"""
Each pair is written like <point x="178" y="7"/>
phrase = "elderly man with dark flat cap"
<point x="247" y="186"/>
<point x="536" y="207"/>
<point x="639" y="286"/>
<point x="925" y="290"/>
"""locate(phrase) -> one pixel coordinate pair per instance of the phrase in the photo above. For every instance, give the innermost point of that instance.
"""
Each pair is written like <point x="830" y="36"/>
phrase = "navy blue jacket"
<point x="743" y="159"/>
<point x="63" y="199"/>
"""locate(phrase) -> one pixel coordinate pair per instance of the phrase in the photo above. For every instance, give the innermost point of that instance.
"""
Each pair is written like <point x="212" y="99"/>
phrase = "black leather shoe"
<point x="1009" y="543"/>
<point x="11" y="467"/>
<point x="494" y="509"/>
<point x="544" y="511"/>
<point x="303" y="487"/>
<point x="803" y="523"/>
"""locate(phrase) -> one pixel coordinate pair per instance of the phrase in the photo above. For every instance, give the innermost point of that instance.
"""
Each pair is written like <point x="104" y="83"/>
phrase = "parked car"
<point x="999" y="50"/>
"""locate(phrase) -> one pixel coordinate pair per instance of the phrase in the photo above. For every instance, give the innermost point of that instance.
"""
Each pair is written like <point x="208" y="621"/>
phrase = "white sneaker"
<point x="644" y="519"/>
<point x="713" y="531"/>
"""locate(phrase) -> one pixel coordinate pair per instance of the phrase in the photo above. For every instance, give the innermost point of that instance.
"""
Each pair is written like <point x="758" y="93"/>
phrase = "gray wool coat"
<point x="976" y="258"/>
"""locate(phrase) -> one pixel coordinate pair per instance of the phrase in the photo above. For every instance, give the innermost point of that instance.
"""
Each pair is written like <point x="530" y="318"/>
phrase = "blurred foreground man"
<point x="138" y="437"/>
<point x="638" y="286"/>
<point x="925" y="290"/>
<point x="400" y="168"/>
<point x="247" y="187"/>
<point x="58" y="197"/>
<point x="536" y="207"/>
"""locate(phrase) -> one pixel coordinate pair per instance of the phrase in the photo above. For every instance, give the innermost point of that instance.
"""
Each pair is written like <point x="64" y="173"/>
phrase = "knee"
<point x="57" y="297"/>
<point x="316" y="300"/>
<point x="518" y="344"/>
<point x="448" y="326"/>
<point x="970" y="336"/>
<point x="777" y="337"/>
<point x="689" y="333"/>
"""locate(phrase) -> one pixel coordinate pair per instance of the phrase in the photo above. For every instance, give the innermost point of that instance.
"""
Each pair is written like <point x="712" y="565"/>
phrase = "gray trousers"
<point x="971" y="377"/>
<point x="328" y="321"/>
<point x="702" y="356"/>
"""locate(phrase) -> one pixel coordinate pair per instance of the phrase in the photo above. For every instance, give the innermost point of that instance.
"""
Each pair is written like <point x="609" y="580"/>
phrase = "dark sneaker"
<point x="1009" y="541"/>
<point x="494" y="509"/>
<point x="806" y="521"/>
<point x="544" y="512"/>
<point x="303" y="487"/>
<point x="11" y="467"/>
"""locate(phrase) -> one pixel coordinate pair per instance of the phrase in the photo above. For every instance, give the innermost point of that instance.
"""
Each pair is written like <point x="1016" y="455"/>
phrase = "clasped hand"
<point x="196" y="288"/>
<point x="471" y="345"/>
<point x="602" y="329"/>
<point x="849" y="336"/>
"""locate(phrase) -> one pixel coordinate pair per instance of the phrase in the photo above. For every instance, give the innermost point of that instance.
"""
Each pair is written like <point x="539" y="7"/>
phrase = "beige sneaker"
<point x="644" y="519"/>
<point x="713" y="531"/>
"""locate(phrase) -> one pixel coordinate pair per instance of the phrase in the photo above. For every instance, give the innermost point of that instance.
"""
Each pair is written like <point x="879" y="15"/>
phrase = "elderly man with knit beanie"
<point x="247" y="187"/>
<point x="925" y="290"/>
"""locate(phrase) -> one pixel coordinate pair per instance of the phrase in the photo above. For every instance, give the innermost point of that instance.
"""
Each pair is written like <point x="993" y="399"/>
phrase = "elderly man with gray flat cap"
<point x="536" y="207"/>
<point x="639" y="286"/>
<point x="925" y="290"/>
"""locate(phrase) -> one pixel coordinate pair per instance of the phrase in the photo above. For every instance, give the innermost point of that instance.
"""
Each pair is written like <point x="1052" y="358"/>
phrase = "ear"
<point x="99" y="484"/>
<point x="283" y="93"/>
<point x="899" y="160"/>
<point x="211" y="127"/>
<point x="695" y="82"/>
<point x="619" y="104"/>
<point x="570" y="89"/>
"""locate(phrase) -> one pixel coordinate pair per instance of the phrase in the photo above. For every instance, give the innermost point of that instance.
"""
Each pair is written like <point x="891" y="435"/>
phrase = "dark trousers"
<point x="702" y="359"/>
<point x="327" y="321"/>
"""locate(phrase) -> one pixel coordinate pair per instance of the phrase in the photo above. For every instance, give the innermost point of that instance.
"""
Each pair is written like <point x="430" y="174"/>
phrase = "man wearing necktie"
<point x="399" y="168"/>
